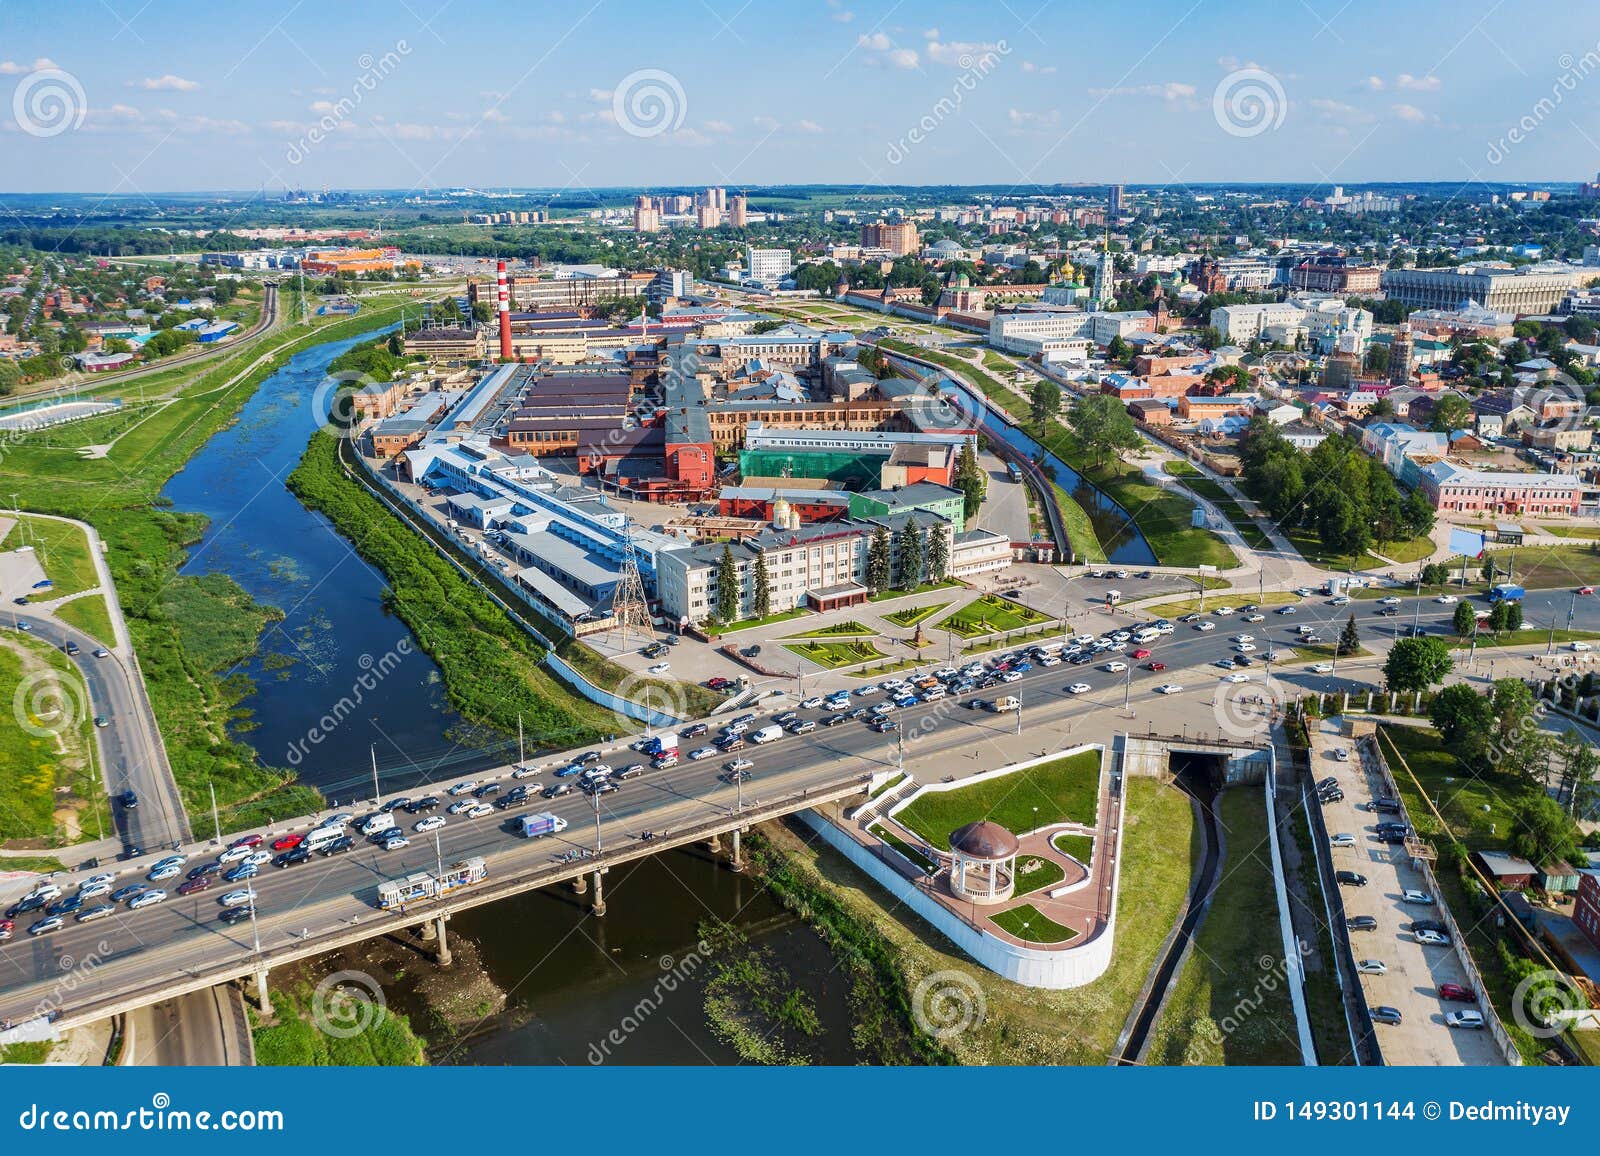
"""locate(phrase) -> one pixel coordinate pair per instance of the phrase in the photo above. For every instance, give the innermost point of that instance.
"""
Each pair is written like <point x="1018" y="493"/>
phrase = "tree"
<point x="1349" y="639"/>
<point x="1463" y="718"/>
<point x="910" y="553"/>
<point x="1102" y="425"/>
<point x="1490" y="570"/>
<point x="727" y="586"/>
<point x="1498" y="616"/>
<point x="971" y="481"/>
<point x="1117" y="351"/>
<point x="763" y="588"/>
<point x="1580" y="763"/>
<point x="1044" y="401"/>
<point x="1435" y="574"/>
<point x="1513" y="706"/>
<point x="1542" y="833"/>
<point x="1416" y="664"/>
<point x="938" y="554"/>
<point x="482" y="311"/>
<point x="879" y="555"/>
<point x="1464" y="622"/>
<point x="1513" y="616"/>
<point x="1451" y="412"/>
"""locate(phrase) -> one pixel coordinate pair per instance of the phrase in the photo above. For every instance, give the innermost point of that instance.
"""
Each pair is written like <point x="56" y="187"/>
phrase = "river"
<point x="572" y="977"/>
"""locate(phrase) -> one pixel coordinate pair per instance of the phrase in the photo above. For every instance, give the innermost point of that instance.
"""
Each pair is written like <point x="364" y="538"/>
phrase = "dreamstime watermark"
<point x="1248" y="102"/>
<point x="46" y="705"/>
<point x="1272" y="976"/>
<point x="649" y="102"/>
<point x="333" y="403"/>
<point x="1559" y="402"/>
<point x="78" y="970"/>
<point x="662" y="699"/>
<point x="675" y="973"/>
<point x="948" y="1003"/>
<point x="1544" y="1002"/>
<point x="374" y="71"/>
<point x="347" y="1003"/>
<point x="373" y="673"/>
<point x="1574" y="71"/>
<point x="1244" y="710"/>
<point x="48" y="102"/>
<point x="974" y="69"/>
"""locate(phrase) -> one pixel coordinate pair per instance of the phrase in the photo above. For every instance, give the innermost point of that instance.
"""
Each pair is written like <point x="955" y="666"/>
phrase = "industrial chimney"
<point x="503" y="298"/>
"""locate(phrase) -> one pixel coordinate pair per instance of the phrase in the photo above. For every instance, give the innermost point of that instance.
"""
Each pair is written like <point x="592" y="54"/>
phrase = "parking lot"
<point x="1413" y="971"/>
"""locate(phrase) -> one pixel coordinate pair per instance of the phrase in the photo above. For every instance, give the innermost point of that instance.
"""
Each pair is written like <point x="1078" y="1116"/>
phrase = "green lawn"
<point x="748" y="623"/>
<point x="1192" y="605"/>
<point x="1029" y="925"/>
<point x="830" y="655"/>
<point x="1065" y="790"/>
<point x="1477" y="807"/>
<point x="1080" y="527"/>
<point x="1191" y="478"/>
<point x="1572" y="531"/>
<point x="903" y="847"/>
<point x="1411" y="550"/>
<point x="63" y="551"/>
<point x="90" y="615"/>
<point x="1080" y="847"/>
<point x="837" y="630"/>
<point x="48" y="780"/>
<point x="1310" y="547"/>
<point x="1226" y="1007"/>
<point x="911" y="615"/>
<point x="1035" y="873"/>
<point x="991" y="614"/>
<point x="890" y="595"/>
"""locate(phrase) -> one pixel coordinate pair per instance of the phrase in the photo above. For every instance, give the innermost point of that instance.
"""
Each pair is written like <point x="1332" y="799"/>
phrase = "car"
<point x="94" y="890"/>
<point x="1418" y="897"/>
<point x="65" y="906"/>
<point x="1343" y="839"/>
<point x="1342" y="754"/>
<point x="1236" y="676"/>
<point x="122" y="894"/>
<point x="1384" y="1014"/>
<point x="1464" y="1019"/>
<point x="1155" y="666"/>
<point x="101" y="721"/>
<point x="1372" y="967"/>
<point x="1391" y="600"/>
<point x="298" y="855"/>
<point x="834" y="720"/>
<point x="101" y="652"/>
<point x="1350" y="878"/>
<point x="1361" y="923"/>
<point x="234" y="854"/>
<point x="1456" y="993"/>
<point x="1223" y="611"/>
<point x="344" y="843"/>
<point x="464" y="788"/>
<point x="1585" y="589"/>
<point x="702" y="753"/>
<point x="129" y="800"/>
<point x="198" y="883"/>
<point x="243" y="897"/>
<point x="804" y="726"/>
<point x="1339" y="600"/>
<point x="1287" y="610"/>
<point x="47" y="925"/>
<point x="1383" y="806"/>
<point x="423" y="805"/>
<point x="458" y="806"/>
<point x="90" y="914"/>
<point x="1141" y="653"/>
<point x="1079" y="688"/>
<point x="1332" y="795"/>
<point x="105" y="877"/>
<point x="257" y="858"/>
<point x="1114" y="667"/>
<point x="1244" y="637"/>
<point x="231" y="915"/>
<point x="242" y="872"/>
<point x="1322" y="668"/>
<point x="786" y="718"/>
<point x="812" y="703"/>
<point x="1168" y="688"/>
<point x="884" y="725"/>
<point x="1581" y="645"/>
<point x="1241" y="660"/>
<point x="1190" y="618"/>
<point x="1244" y="647"/>
<point x="1011" y="676"/>
<point x="660" y="668"/>
<point x="1255" y="618"/>
<point x="431" y="823"/>
<point x="1203" y="627"/>
<point x="736" y="727"/>
<point x="480" y="810"/>
<point x="1431" y="938"/>
<point x="734" y="766"/>
<point x="400" y="801"/>
<point x="148" y="899"/>
<point x="751" y="651"/>
<point x="164" y="871"/>
<point x="1050" y="660"/>
<point x="718" y="683"/>
<point x="1446" y="600"/>
<point x="694" y="731"/>
<point x="1272" y="656"/>
<point x="486" y="790"/>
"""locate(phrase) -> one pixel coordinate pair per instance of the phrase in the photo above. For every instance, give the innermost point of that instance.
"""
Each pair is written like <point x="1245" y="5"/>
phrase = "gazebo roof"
<point x="984" y="840"/>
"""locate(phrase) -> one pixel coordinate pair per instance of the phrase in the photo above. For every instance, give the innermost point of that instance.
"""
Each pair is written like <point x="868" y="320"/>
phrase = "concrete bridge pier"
<point x="599" y="905"/>
<point x="263" y="1001"/>
<point x="441" y="951"/>
<point x="714" y="845"/>
<point x="580" y="885"/>
<point x="736" y="861"/>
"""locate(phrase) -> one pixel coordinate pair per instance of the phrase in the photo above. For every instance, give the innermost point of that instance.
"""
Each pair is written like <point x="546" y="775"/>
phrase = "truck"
<point x="767" y="735"/>
<point x="426" y="885"/>
<point x="1004" y="703"/>
<point x="666" y="741"/>
<point x="1507" y="592"/>
<point x="544" y="823"/>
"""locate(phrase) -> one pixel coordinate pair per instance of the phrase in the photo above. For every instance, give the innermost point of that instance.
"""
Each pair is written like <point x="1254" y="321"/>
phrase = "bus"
<point x="422" y="885"/>
<point x="1012" y="472"/>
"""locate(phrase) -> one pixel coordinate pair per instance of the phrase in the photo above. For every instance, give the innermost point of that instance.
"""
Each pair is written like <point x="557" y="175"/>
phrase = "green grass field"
<point x="831" y="655"/>
<point x="1080" y="847"/>
<point x="1477" y="807"/>
<point x="1080" y="527"/>
<point x="1065" y="790"/>
<point x="911" y="615"/>
<point x="1044" y="873"/>
<point x="903" y="847"/>
<point x="748" y="623"/>
<point x="63" y="551"/>
<point x="837" y="630"/>
<point x="1028" y="924"/>
<point x="49" y="783"/>
<point x="90" y="615"/>
<point x="991" y="614"/>
<point x="1230" y="1003"/>
<point x="1192" y="479"/>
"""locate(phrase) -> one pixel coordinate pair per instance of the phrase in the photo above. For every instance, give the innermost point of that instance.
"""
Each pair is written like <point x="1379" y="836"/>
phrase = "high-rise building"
<point x="707" y="216"/>
<point x="1402" y="357"/>
<point x="738" y="211"/>
<point x="769" y="266"/>
<point x="646" y="217"/>
<point x="898" y="237"/>
<point x="1114" y="200"/>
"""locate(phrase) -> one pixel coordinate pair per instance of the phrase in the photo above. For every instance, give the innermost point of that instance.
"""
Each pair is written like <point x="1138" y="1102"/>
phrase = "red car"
<point x="717" y="683"/>
<point x="6" y="927"/>
<point x="1155" y="666"/>
<point x="1454" y="991"/>
<point x="1585" y="589"/>
<point x="288" y="842"/>
<point x="198" y="883"/>
<point x="1141" y="653"/>
<point x="247" y="841"/>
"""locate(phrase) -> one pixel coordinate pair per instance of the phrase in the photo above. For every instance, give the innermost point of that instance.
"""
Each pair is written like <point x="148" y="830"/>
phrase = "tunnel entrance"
<point x="1200" y="773"/>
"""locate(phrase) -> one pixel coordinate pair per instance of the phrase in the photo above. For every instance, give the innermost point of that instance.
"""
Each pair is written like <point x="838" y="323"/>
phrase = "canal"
<point x="571" y="977"/>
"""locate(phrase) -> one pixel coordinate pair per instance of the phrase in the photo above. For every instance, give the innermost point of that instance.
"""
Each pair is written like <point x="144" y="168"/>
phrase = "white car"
<point x="1421" y="897"/>
<point x="164" y="872"/>
<point x="1372" y="967"/>
<point x="1581" y="646"/>
<point x="479" y="810"/>
<point x="1342" y="840"/>
<point x="1322" y="668"/>
<point x="1432" y="938"/>
<point x="1011" y="676"/>
<point x="1390" y="601"/>
<point x="94" y="890"/>
<point x="1168" y="688"/>
<point x="701" y="753"/>
<point x="464" y="788"/>
<point x="96" y="880"/>
<point x="1255" y="618"/>
<point x="1243" y="647"/>
<point x="147" y="899"/>
<point x="1244" y="637"/>
<point x="738" y="765"/>
<point x="431" y="823"/>
<point x="258" y="858"/>
<point x="945" y="672"/>
<point x="1223" y="611"/>
<point x="234" y="854"/>
<point x="395" y="841"/>
<point x="239" y="898"/>
<point x="524" y="772"/>
<point x="1079" y="688"/>
<point x="1342" y="754"/>
<point x="1114" y="667"/>
<point x="812" y="703"/>
<point x="1052" y="660"/>
<point x="1205" y="626"/>
<point x="461" y="806"/>
<point x="1445" y="599"/>
<point x="659" y="668"/>
<point x="1236" y="677"/>
<point x="1341" y="600"/>
<point x="1464" y="1019"/>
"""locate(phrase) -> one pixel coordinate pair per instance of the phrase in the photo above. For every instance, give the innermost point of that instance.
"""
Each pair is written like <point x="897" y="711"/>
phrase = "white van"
<point x="373" y="824"/>
<point x="322" y="836"/>
<point x="767" y="735"/>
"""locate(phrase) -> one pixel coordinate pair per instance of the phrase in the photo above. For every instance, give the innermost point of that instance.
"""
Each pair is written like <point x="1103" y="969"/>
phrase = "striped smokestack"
<point x="503" y="298"/>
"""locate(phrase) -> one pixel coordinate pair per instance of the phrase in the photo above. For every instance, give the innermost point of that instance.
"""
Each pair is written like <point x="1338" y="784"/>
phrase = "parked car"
<point x="1350" y="878"/>
<point x="1419" y="897"/>
<point x="1361" y="923"/>
<point x="1464" y="1019"/>
<point x="1372" y="967"/>
<point x="1456" y="993"/>
<point x="1431" y="938"/>
<point x="1384" y="1014"/>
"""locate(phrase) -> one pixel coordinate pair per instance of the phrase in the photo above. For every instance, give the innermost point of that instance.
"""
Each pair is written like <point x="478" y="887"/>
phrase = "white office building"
<point x="1239" y="323"/>
<point x="768" y="266"/>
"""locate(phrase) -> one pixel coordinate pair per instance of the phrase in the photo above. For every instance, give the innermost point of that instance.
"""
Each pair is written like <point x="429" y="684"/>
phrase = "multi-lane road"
<point x="327" y="897"/>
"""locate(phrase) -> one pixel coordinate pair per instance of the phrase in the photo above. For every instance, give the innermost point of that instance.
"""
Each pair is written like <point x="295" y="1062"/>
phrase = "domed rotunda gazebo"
<point x="983" y="859"/>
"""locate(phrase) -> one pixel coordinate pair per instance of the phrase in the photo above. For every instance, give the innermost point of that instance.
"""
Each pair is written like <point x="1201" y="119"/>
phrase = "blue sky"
<point x="132" y="97"/>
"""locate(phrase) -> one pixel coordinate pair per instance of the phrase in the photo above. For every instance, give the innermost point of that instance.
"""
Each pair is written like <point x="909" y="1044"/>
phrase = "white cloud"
<point x="1171" y="91"/>
<point x="903" y="58"/>
<point x="1375" y="83"/>
<point x="1410" y="113"/>
<point x="875" y="42"/>
<point x="1022" y="120"/>
<point x="720" y="126"/>
<point x="1338" y="111"/>
<point x="878" y="50"/>
<point x="600" y="95"/>
<point x="1417" y="83"/>
<point x="1030" y="68"/>
<point x="12" y="68"/>
<point x="961" y="53"/>
<point x="808" y="126"/>
<point x="166" y="83"/>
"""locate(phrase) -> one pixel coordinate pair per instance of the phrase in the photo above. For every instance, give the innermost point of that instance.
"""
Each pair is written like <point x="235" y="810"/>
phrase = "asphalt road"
<point x="325" y="895"/>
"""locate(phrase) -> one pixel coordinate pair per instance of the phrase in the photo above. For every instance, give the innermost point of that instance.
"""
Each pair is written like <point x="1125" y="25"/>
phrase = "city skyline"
<point x="830" y="92"/>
